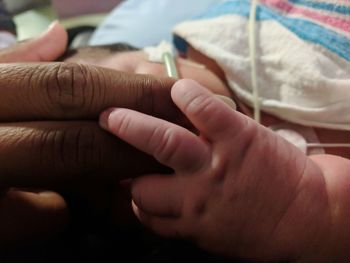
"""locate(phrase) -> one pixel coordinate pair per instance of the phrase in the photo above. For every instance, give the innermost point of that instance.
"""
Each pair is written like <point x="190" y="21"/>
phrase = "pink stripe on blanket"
<point x="290" y="9"/>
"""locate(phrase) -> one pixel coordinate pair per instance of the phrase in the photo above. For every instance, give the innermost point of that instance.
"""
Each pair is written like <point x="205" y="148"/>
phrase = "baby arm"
<point x="237" y="189"/>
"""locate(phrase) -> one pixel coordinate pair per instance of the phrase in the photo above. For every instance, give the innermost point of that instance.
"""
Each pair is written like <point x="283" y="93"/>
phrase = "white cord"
<point x="253" y="59"/>
<point x="328" y="145"/>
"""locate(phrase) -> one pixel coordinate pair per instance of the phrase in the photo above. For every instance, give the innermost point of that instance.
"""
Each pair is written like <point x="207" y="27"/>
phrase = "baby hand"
<point x="237" y="189"/>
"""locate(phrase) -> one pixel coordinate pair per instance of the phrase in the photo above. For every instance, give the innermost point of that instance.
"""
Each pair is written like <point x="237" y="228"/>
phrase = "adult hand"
<point x="28" y="215"/>
<point x="48" y="121"/>
<point x="49" y="136"/>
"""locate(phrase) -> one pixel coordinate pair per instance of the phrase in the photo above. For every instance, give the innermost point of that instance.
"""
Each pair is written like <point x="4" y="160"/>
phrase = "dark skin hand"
<point x="50" y="138"/>
<point x="49" y="113"/>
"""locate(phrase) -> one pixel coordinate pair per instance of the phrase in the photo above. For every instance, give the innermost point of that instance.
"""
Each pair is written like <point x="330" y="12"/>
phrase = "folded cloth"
<point x="146" y="22"/>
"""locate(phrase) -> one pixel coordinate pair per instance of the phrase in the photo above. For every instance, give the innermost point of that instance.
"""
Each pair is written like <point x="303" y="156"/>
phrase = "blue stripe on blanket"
<point x="344" y="10"/>
<point x="306" y="30"/>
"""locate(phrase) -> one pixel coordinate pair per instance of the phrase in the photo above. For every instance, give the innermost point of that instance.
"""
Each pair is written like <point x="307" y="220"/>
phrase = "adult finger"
<point x="46" y="47"/>
<point x="209" y="114"/>
<point x="73" y="91"/>
<point x="57" y="155"/>
<point x="158" y="195"/>
<point x="30" y="216"/>
<point x="170" y="144"/>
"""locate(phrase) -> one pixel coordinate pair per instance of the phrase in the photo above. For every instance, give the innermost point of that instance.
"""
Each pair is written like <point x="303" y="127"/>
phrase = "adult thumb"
<point x="48" y="46"/>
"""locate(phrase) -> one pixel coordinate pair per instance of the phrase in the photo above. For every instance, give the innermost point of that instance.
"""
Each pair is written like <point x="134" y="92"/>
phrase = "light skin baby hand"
<point x="237" y="190"/>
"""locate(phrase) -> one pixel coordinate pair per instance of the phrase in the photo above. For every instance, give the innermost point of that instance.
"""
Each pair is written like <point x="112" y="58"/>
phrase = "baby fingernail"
<point x="228" y="101"/>
<point x="104" y="117"/>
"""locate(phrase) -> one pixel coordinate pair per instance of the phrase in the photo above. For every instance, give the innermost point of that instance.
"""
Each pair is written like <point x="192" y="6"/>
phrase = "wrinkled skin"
<point x="238" y="189"/>
<point x="50" y="138"/>
<point x="53" y="110"/>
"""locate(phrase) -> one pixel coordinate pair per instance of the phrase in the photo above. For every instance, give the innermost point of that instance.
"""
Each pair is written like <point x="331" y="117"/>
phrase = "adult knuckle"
<point x="86" y="151"/>
<point x="67" y="88"/>
<point x="137" y="91"/>
<point x="145" y="95"/>
<point x="71" y="150"/>
<point x="150" y="92"/>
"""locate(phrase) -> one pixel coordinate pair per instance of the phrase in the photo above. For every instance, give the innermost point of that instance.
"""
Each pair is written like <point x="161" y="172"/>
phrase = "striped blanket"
<point x="323" y="22"/>
<point x="303" y="49"/>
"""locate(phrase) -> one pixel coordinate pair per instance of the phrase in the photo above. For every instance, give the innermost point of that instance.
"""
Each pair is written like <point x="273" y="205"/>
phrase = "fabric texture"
<point x="303" y="56"/>
<point x="147" y="22"/>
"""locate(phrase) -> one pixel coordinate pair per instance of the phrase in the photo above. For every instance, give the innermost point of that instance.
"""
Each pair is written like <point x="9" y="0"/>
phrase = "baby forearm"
<point x="316" y="226"/>
<point x="335" y="245"/>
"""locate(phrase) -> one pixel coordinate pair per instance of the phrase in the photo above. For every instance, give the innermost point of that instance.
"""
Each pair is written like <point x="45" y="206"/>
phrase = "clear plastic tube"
<point x="170" y="65"/>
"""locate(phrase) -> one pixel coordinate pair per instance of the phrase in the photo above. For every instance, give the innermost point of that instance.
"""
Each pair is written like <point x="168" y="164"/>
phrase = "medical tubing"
<point x="253" y="59"/>
<point x="328" y="145"/>
<point x="170" y="65"/>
